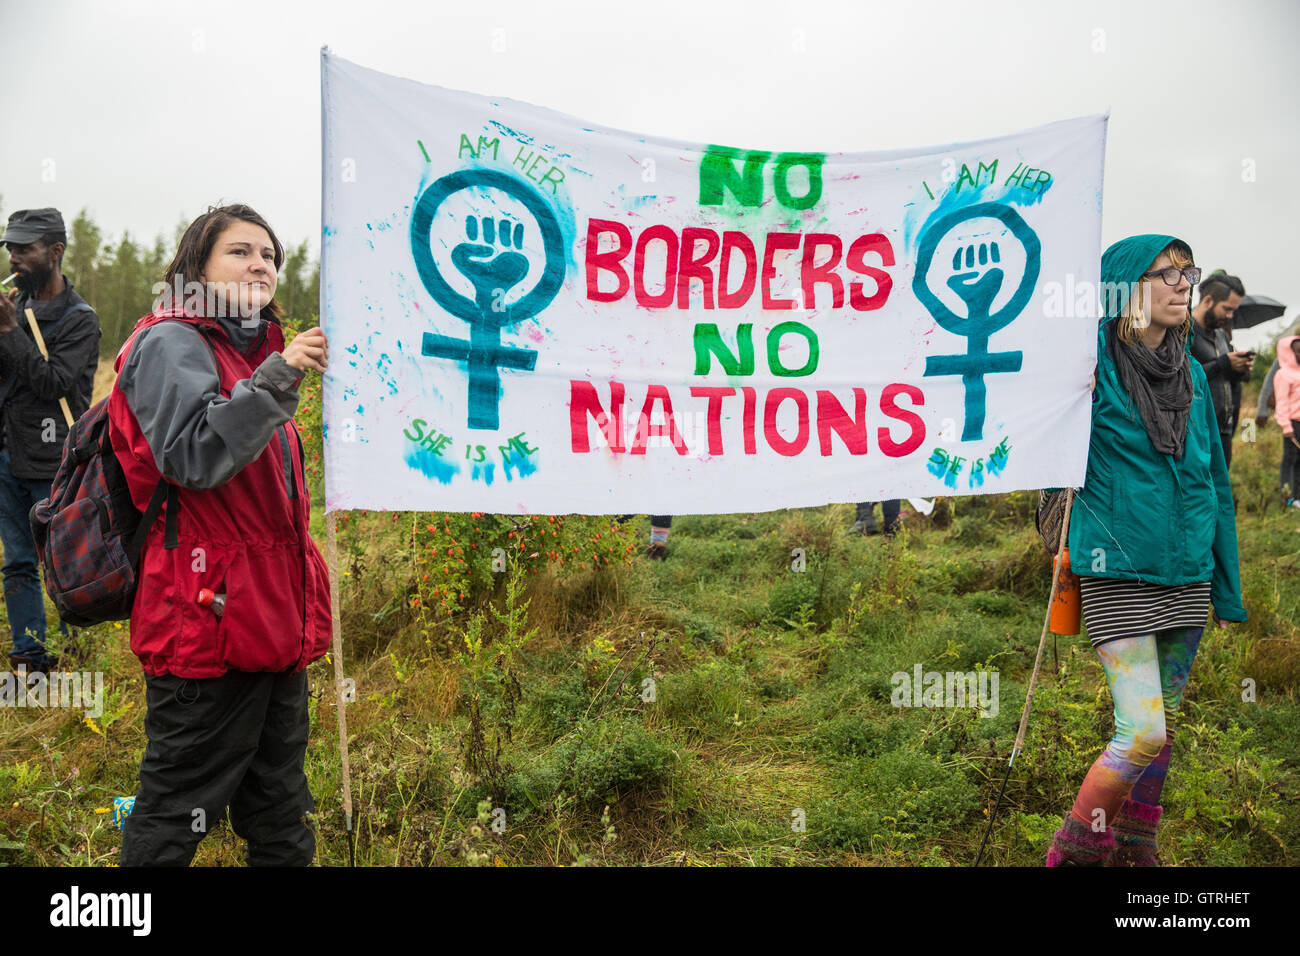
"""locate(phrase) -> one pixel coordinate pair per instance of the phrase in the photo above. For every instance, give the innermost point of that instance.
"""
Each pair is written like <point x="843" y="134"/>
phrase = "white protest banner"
<point x="533" y="314"/>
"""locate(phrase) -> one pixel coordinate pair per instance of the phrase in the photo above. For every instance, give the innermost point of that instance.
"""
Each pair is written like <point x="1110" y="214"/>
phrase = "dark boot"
<point x="866" y="523"/>
<point x="31" y="664"/>
<point x="1077" y="844"/>
<point x="1135" y="835"/>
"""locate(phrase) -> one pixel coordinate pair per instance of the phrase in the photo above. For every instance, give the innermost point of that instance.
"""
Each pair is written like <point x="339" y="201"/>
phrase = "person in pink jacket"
<point x="1286" y="392"/>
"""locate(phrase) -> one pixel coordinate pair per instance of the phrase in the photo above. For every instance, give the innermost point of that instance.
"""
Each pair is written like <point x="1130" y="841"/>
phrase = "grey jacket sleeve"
<point x="1266" y="394"/>
<point x="199" y="438"/>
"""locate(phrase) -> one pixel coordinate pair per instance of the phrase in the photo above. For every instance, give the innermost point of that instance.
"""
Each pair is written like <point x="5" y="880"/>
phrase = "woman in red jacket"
<point x="232" y="601"/>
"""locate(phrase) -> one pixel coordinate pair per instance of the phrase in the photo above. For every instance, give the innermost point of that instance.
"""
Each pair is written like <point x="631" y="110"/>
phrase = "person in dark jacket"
<point x="33" y="417"/>
<point x="1154" y="521"/>
<point x="233" y="596"/>
<point x="1225" y="369"/>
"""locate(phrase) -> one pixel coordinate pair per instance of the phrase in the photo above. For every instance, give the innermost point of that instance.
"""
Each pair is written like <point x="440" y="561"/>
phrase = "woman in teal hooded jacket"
<point x="1153" y="538"/>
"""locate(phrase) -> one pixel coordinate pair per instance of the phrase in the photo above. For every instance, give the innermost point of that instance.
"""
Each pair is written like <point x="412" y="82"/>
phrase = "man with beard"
<point x="1225" y="369"/>
<point x="32" y="423"/>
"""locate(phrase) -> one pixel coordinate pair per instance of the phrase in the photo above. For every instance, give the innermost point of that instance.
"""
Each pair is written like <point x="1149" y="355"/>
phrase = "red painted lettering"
<point x="887" y="405"/>
<point x="730" y="242"/>
<point x="776" y="241"/>
<point x="693" y="267"/>
<point x="831" y="417"/>
<point x="810" y="276"/>
<point x="665" y="298"/>
<point x="610" y="261"/>
<point x="645" y="430"/>
<point x="584" y="401"/>
<point x="879" y="244"/>
<point x="779" y="443"/>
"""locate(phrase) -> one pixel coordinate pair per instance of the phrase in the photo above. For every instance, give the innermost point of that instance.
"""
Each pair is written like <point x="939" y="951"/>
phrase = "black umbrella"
<point x="1256" y="309"/>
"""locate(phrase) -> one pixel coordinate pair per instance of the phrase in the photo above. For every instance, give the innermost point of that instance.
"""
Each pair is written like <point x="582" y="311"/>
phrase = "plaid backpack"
<point x="88" y="532"/>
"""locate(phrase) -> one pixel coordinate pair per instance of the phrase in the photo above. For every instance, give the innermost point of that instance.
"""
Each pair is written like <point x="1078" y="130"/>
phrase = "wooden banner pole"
<point x="340" y="702"/>
<point x="1033" y="677"/>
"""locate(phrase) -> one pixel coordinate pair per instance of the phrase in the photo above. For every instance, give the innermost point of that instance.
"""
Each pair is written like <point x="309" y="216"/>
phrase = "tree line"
<point x="117" y="276"/>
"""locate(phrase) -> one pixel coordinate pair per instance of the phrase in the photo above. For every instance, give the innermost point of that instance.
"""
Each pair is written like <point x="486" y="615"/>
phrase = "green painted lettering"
<point x="774" y="350"/>
<point x="554" y="176"/>
<point x="708" y="342"/>
<point x="787" y="161"/>
<point x="964" y="177"/>
<point x="718" y="173"/>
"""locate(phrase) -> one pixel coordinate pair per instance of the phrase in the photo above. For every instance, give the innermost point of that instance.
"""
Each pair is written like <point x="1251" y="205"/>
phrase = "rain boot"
<point x="1135" y="835"/>
<point x="1077" y="844"/>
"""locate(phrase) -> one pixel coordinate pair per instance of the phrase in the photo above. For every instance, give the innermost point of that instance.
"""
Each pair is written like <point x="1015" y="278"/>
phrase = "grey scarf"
<point x="1160" y="383"/>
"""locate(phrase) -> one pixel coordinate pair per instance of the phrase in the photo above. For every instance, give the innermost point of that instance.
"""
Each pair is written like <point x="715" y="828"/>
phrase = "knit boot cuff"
<point x="1142" y="812"/>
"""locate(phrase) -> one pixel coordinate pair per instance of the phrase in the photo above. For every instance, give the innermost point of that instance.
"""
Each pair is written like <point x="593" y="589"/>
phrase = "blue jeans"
<point x="22" y="581"/>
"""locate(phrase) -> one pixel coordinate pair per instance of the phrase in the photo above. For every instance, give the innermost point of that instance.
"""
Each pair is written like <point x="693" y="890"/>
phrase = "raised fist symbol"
<point x="492" y="272"/>
<point x="979" y="284"/>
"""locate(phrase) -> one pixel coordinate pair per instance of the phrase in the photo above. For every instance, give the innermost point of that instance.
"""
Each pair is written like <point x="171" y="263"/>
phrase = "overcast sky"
<point x="146" y="111"/>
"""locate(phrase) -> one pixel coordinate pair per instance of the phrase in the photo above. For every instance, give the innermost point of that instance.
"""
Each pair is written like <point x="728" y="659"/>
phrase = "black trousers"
<point x="234" y="741"/>
<point x="1226" y="438"/>
<point x="1291" y="462"/>
<point x="890" y="509"/>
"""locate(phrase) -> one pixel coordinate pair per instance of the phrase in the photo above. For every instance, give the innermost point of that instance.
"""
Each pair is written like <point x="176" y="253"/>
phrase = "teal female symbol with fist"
<point x="977" y="277"/>
<point x="490" y="256"/>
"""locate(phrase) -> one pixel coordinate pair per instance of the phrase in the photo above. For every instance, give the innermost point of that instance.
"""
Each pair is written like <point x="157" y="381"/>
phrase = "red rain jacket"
<point x="247" y="538"/>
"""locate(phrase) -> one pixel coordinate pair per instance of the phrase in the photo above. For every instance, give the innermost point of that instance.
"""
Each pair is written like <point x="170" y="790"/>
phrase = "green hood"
<point x="1142" y="515"/>
<point x="1123" y="264"/>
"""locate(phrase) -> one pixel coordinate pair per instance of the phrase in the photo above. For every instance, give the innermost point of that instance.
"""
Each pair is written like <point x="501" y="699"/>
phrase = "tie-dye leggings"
<point x="1147" y="675"/>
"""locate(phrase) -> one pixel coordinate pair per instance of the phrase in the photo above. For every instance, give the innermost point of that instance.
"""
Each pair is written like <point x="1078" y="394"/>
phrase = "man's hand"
<point x="308" y="350"/>
<point x="1240" y="361"/>
<point x="1219" y="623"/>
<point x="8" y="313"/>
<point x="1261" y="420"/>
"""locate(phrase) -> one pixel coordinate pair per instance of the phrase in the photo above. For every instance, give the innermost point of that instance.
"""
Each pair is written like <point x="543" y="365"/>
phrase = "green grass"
<point x="721" y="708"/>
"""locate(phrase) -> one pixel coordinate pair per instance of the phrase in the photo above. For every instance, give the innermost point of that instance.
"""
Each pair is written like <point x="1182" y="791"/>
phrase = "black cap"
<point x="28" y="225"/>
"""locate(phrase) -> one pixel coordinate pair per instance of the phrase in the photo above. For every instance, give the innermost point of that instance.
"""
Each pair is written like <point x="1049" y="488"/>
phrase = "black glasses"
<point x="1172" y="274"/>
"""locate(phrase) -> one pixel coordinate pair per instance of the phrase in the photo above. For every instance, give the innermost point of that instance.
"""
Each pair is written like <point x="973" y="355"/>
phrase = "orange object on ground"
<point x="1066" y="605"/>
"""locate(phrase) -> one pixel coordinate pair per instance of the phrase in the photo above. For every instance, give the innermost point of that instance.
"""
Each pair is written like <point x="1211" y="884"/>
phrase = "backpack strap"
<point x="163" y="491"/>
<point x="170" y="539"/>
